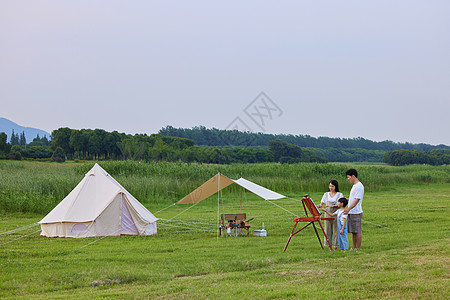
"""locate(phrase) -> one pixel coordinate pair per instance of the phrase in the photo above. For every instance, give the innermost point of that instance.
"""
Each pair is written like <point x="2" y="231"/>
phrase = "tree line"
<point x="217" y="137"/>
<point x="408" y="157"/>
<point x="98" y="144"/>
<point x="38" y="148"/>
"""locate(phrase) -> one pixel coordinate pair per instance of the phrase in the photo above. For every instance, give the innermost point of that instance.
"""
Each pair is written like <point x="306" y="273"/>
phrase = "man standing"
<point x="354" y="209"/>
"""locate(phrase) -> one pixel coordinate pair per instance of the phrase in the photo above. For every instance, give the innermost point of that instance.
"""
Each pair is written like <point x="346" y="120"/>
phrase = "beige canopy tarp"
<point x="219" y="182"/>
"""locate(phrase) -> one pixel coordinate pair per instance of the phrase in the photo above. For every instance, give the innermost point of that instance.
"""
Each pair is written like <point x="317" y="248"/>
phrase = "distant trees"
<point x="59" y="155"/>
<point x="99" y="144"/>
<point x="333" y="149"/>
<point x="288" y="153"/>
<point x="16" y="152"/>
<point x="14" y="138"/>
<point x="216" y="137"/>
<point x="22" y="140"/>
<point x="41" y="152"/>
<point x="349" y="155"/>
<point x="38" y="141"/>
<point x="4" y="146"/>
<point x="408" y="157"/>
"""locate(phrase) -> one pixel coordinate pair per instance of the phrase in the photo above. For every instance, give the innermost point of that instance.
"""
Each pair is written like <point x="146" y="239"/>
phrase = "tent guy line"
<point x="187" y="222"/>
<point x="283" y="208"/>
<point x="165" y="208"/>
<point x="20" y="229"/>
<point x="99" y="239"/>
<point x="183" y="211"/>
<point x="199" y="229"/>
<point x="375" y="224"/>
<point x="21" y="237"/>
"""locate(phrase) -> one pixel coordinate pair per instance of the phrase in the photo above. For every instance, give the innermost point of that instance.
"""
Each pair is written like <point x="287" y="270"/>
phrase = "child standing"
<point x="341" y="220"/>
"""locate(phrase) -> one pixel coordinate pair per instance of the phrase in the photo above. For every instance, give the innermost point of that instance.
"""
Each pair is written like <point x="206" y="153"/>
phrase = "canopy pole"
<point x="218" y="206"/>
<point x="221" y="197"/>
<point x="241" y="200"/>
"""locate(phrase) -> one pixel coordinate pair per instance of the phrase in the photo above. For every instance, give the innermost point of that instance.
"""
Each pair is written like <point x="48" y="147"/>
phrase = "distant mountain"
<point x="7" y="126"/>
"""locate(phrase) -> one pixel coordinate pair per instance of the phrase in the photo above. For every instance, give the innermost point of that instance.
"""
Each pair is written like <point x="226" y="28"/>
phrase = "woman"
<point x="330" y="201"/>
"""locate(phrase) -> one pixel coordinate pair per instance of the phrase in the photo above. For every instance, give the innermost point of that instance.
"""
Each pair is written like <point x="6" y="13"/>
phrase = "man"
<point x="354" y="210"/>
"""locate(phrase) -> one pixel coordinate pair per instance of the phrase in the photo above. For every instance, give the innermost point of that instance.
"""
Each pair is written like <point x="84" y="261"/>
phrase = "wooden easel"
<point x="308" y="203"/>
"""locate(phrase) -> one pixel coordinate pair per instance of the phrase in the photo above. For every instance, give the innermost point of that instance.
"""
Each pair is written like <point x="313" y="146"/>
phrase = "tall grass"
<point x="38" y="187"/>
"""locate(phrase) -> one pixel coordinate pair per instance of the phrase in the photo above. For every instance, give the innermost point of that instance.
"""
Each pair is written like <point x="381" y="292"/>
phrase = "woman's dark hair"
<point x="344" y="201"/>
<point x="336" y="185"/>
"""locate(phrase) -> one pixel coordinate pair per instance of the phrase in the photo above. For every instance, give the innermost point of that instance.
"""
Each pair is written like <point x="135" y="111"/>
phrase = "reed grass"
<point x="38" y="186"/>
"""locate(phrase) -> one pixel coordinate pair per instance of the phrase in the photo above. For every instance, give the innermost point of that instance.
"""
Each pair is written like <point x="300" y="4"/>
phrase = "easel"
<point x="308" y="203"/>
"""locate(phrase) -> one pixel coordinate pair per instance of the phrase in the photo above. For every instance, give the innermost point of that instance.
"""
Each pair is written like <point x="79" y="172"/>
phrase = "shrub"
<point x="59" y="155"/>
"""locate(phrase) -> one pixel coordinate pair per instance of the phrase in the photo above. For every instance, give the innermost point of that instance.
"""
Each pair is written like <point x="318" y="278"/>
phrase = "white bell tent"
<point x="98" y="206"/>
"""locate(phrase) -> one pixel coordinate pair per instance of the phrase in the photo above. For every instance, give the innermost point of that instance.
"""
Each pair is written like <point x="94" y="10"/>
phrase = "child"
<point x="341" y="221"/>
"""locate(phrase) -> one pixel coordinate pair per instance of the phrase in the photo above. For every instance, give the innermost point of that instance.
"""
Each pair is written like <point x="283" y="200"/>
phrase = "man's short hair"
<point x="344" y="201"/>
<point x="352" y="172"/>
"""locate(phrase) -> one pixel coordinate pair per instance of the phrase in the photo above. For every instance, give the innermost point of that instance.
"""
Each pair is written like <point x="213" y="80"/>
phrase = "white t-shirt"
<point x="357" y="192"/>
<point x="331" y="201"/>
<point x="340" y="216"/>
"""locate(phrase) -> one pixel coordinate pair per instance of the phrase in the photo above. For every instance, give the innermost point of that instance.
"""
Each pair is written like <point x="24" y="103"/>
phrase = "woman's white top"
<point x="329" y="201"/>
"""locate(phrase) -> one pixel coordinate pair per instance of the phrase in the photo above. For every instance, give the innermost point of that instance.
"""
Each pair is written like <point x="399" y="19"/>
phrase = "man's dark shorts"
<point x="354" y="223"/>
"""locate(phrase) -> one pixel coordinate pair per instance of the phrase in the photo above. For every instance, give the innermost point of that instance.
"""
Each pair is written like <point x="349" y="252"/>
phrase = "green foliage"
<point x="99" y="144"/>
<point x="216" y="137"/>
<point x="38" y="141"/>
<point x="37" y="152"/>
<point x="288" y="153"/>
<point x="4" y="146"/>
<point x="59" y="155"/>
<point x="163" y="183"/>
<point x="408" y="157"/>
<point x="22" y="139"/>
<point x="16" y="152"/>
<point x="61" y="138"/>
<point x="17" y="155"/>
<point x="14" y="138"/>
<point x="349" y="155"/>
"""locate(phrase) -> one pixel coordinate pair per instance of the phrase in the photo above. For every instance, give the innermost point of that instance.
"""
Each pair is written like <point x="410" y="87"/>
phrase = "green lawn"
<point x="407" y="258"/>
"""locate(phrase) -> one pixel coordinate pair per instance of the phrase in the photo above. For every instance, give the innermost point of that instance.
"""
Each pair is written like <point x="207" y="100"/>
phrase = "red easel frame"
<point x="308" y="203"/>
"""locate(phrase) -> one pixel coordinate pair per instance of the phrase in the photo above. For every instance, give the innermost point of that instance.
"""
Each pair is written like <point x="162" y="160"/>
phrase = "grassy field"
<point x="404" y="252"/>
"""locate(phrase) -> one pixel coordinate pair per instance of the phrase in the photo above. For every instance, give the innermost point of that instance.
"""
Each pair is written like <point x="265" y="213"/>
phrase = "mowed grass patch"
<point x="404" y="255"/>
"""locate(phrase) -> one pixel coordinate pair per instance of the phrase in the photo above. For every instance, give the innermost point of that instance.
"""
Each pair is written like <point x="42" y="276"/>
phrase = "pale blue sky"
<point x="376" y="69"/>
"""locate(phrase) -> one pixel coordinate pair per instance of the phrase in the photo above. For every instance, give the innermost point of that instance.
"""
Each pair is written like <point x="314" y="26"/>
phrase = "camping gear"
<point x="234" y="225"/>
<point x="260" y="232"/>
<point x="215" y="185"/>
<point x="98" y="206"/>
<point x="308" y="203"/>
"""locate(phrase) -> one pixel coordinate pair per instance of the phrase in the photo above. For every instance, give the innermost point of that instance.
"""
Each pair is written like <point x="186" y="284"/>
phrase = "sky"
<point x="373" y="69"/>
